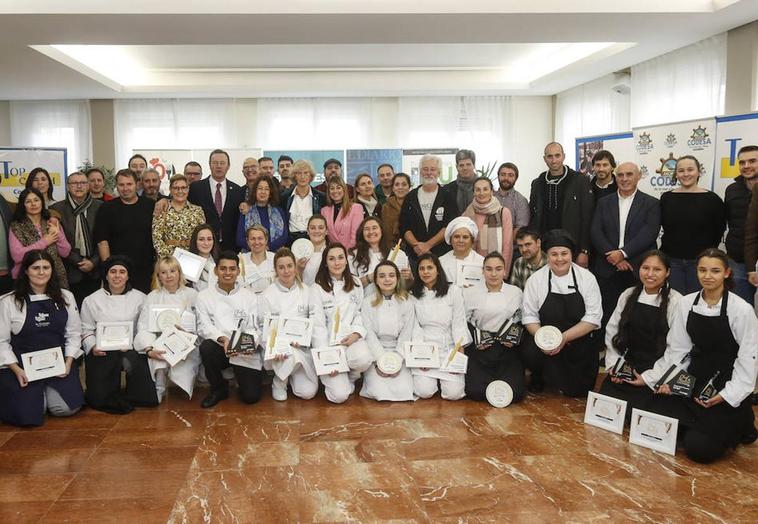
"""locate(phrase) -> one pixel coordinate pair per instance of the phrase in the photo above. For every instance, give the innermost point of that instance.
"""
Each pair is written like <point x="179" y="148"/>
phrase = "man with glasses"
<point x="193" y="171"/>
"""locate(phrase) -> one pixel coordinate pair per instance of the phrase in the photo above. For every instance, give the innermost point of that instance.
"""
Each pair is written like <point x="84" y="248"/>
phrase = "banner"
<point x="411" y="159"/>
<point x="658" y="147"/>
<point x="17" y="162"/>
<point x="368" y="161"/>
<point x="315" y="157"/>
<point x="732" y="133"/>
<point x="621" y="145"/>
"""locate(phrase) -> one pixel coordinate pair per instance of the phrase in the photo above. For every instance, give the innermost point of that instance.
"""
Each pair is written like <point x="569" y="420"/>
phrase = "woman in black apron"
<point x="718" y="333"/>
<point x="489" y="306"/>
<point x="38" y="315"/>
<point x="564" y="295"/>
<point x="636" y="331"/>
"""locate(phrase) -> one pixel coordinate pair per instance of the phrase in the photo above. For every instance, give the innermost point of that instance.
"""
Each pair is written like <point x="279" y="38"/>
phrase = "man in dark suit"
<point x="625" y="226"/>
<point x="220" y="199"/>
<point x="6" y="262"/>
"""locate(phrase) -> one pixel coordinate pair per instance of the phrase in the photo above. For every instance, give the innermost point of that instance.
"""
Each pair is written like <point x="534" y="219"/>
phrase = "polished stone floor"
<point x="309" y="461"/>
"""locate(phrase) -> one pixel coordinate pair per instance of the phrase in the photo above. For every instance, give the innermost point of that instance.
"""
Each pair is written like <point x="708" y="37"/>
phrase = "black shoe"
<point x="750" y="436"/>
<point x="755" y="398"/>
<point x="536" y="384"/>
<point x="214" y="398"/>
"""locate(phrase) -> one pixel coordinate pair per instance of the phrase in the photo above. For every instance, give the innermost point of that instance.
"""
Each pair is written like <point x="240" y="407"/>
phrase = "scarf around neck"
<point x="82" y="237"/>
<point x="27" y="233"/>
<point x="492" y="227"/>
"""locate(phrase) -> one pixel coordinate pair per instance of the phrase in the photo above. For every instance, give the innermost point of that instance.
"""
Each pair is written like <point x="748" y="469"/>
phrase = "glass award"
<point x="240" y="342"/>
<point x="622" y="369"/>
<point x="710" y="390"/>
<point x="682" y="384"/>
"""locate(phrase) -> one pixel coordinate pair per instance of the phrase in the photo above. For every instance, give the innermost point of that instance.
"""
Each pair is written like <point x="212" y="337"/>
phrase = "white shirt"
<point x="612" y="328"/>
<point x="374" y="257"/>
<point x="450" y="263"/>
<point x="625" y="204"/>
<point x="489" y="310"/>
<point x="184" y="297"/>
<point x="535" y="293"/>
<point x="388" y="325"/>
<point x="12" y="320"/>
<point x="262" y="274"/>
<point x="744" y="327"/>
<point x="213" y="183"/>
<point x="219" y="312"/>
<point x="325" y="306"/>
<point x="101" y="306"/>
<point x="300" y="211"/>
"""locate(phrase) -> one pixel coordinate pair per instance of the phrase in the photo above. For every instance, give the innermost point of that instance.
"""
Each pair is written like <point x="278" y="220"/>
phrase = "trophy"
<point x="512" y="330"/>
<point x="622" y="369"/>
<point x="682" y="382"/>
<point x="241" y="342"/>
<point x="709" y="391"/>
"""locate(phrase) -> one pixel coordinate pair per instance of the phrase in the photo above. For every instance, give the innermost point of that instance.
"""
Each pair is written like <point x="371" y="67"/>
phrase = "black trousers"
<point x="573" y="371"/>
<point x="103" y="376"/>
<point x="496" y="363"/>
<point x="215" y="362"/>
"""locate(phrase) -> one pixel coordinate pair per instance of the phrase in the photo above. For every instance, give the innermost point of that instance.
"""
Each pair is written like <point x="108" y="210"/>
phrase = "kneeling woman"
<point x="336" y="298"/>
<point x="388" y="317"/>
<point x="440" y="318"/>
<point x="715" y="333"/>
<point x="637" y="330"/>
<point x="172" y="291"/>
<point x="566" y="296"/>
<point x="489" y="306"/>
<point x="116" y="301"/>
<point x="289" y="297"/>
<point x="38" y="315"/>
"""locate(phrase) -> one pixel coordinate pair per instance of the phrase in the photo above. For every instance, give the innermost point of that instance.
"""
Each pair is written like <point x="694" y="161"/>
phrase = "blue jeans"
<point x="683" y="276"/>
<point x="742" y="287"/>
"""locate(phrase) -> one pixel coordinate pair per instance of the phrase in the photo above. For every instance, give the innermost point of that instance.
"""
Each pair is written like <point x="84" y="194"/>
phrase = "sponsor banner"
<point x="315" y="157"/>
<point x="17" y="162"/>
<point x="411" y="158"/>
<point x="656" y="149"/>
<point x="621" y="146"/>
<point x="368" y="161"/>
<point x="732" y="133"/>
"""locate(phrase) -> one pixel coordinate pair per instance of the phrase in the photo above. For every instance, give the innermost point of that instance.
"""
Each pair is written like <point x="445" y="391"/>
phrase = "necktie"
<point x="217" y="200"/>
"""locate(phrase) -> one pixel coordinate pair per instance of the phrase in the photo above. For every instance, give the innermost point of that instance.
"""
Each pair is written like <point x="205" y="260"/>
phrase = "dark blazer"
<point x="412" y="219"/>
<point x="318" y="200"/>
<point x="201" y="194"/>
<point x="640" y="234"/>
<point x="6" y="215"/>
<point x="578" y="204"/>
<point x="69" y="228"/>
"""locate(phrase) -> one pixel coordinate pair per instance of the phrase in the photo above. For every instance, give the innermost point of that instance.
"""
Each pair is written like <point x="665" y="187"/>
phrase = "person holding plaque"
<point x="635" y="336"/>
<point x="173" y="226"/>
<point x="492" y="308"/>
<point x="566" y="297"/>
<point x="371" y="247"/>
<point x="461" y="234"/>
<point x="441" y="319"/>
<point x="171" y="291"/>
<point x="713" y="339"/>
<point x="224" y="312"/>
<point x="336" y="298"/>
<point x="203" y="243"/>
<point x="389" y="318"/>
<point x="116" y="301"/>
<point x="38" y="315"/>
<point x="257" y="265"/>
<point x="308" y="266"/>
<point x="287" y="296"/>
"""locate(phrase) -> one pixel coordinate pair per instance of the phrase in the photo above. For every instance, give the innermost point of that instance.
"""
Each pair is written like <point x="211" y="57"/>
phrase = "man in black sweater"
<point x="737" y="201"/>
<point x="603" y="182"/>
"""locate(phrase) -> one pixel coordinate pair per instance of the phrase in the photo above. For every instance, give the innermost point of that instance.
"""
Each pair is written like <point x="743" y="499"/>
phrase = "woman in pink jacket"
<point x="343" y="217"/>
<point x="494" y="222"/>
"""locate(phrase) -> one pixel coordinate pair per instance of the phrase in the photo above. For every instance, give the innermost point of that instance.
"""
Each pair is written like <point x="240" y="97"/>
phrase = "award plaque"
<point x="327" y="360"/>
<point x="548" y="338"/>
<point x="682" y="384"/>
<point x="605" y="412"/>
<point x="240" y="342"/>
<point x="390" y="363"/>
<point x="710" y="390"/>
<point x="162" y="317"/>
<point x="175" y="344"/>
<point x="192" y="265"/>
<point x="468" y="274"/>
<point x="302" y="248"/>
<point x="653" y="431"/>
<point x="513" y="334"/>
<point x="623" y="369"/>
<point x="421" y="355"/>
<point x="114" y="336"/>
<point x="499" y="394"/>
<point x="42" y="364"/>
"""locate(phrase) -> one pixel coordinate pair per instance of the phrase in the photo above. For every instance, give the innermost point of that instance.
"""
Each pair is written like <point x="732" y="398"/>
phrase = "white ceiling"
<point x="236" y="48"/>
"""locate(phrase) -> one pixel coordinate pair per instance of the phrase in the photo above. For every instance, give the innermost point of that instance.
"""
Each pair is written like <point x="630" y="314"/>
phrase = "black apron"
<point x="574" y="369"/>
<point x="44" y="327"/>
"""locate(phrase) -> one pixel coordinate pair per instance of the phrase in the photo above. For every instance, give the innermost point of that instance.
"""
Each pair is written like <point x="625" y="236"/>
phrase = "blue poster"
<point x="316" y="157"/>
<point x="368" y="160"/>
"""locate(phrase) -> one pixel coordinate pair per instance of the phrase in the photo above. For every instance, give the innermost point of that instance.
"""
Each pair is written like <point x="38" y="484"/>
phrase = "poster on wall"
<point x="368" y="161"/>
<point x="411" y="158"/>
<point x="621" y="146"/>
<point x="656" y="149"/>
<point x="732" y="133"/>
<point x="315" y="157"/>
<point x="17" y="162"/>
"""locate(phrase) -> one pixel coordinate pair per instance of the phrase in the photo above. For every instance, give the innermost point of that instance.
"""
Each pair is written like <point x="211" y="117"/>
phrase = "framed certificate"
<point x="330" y="359"/>
<point x="455" y="362"/>
<point x="296" y="329"/>
<point x="605" y="412"/>
<point x="653" y="431"/>
<point x="192" y="265"/>
<point x="162" y="317"/>
<point x="421" y="355"/>
<point x="175" y="345"/>
<point x="468" y="274"/>
<point x="114" y="336"/>
<point x="43" y="364"/>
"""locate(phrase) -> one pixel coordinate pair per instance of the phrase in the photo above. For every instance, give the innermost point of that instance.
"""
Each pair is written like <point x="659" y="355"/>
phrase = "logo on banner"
<point x="665" y="179"/>
<point x="699" y="139"/>
<point x="670" y="140"/>
<point x="729" y="166"/>
<point x="644" y="171"/>
<point x="644" y="144"/>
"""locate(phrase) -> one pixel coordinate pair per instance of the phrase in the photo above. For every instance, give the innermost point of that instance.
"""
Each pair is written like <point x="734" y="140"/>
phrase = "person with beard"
<point x="603" y="182"/>
<point x="462" y="188"/>
<point x="737" y="200"/>
<point x="507" y="175"/>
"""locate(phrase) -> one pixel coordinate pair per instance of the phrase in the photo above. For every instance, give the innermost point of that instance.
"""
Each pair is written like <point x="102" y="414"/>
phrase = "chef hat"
<point x="558" y="238"/>
<point x="458" y="223"/>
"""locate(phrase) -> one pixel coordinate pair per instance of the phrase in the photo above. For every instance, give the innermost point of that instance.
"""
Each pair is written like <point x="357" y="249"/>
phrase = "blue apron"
<point x="44" y="327"/>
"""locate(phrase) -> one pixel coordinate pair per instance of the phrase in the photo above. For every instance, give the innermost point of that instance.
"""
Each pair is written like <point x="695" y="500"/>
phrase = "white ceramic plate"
<point x="499" y="393"/>
<point x="302" y="248"/>
<point x="548" y="338"/>
<point x="390" y="362"/>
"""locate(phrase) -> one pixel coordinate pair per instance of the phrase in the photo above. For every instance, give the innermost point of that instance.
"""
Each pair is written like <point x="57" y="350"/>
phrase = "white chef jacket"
<point x="535" y="293"/>
<point x="311" y="267"/>
<point x="219" y="312"/>
<point x="388" y="325"/>
<point x="292" y="302"/>
<point x="101" y="306"/>
<point x="450" y="263"/>
<point x="441" y="319"/>
<point x="325" y="305"/>
<point x="487" y="310"/>
<point x="265" y="269"/>
<point x="401" y="261"/>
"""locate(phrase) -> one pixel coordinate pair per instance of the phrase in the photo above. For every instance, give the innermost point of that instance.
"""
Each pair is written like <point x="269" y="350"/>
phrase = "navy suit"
<point x="225" y="226"/>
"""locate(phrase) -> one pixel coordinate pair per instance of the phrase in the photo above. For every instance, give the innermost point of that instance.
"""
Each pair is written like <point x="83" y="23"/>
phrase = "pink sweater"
<point x="18" y="250"/>
<point x="344" y="228"/>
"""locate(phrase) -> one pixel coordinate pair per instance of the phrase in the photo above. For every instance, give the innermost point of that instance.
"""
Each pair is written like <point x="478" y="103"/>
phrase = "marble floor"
<point x="309" y="461"/>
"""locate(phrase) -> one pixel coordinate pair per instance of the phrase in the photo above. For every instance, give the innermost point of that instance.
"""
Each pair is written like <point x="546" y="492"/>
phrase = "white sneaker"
<point x="279" y="389"/>
<point x="161" y="379"/>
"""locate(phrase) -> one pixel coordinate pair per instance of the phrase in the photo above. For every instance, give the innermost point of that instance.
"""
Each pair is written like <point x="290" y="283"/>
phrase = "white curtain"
<point x="173" y="124"/>
<point x="681" y="85"/>
<point x="54" y="123"/>
<point x="590" y="109"/>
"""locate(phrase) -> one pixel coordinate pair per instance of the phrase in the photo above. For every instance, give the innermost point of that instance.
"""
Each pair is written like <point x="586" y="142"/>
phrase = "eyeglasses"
<point x="78" y="183"/>
<point x="179" y="188"/>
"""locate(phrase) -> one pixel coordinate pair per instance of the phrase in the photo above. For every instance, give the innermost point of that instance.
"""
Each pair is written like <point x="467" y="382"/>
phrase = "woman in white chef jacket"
<point x="371" y="247"/>
<point x="337" y="291"/>
<point x="308" y="267"/>
<point x="389" y="318"/>
<point x="461" y="234"/>
<point x="289" y="297"/>
<point x="116" y="301"/>
<point x="257" y="265"/>
<point x="715" y="334"/>
<point x="203" y="243"/>
<point x="440" y="318"/>
<point x="489" y="306"/>
<point x="171" y="291"/>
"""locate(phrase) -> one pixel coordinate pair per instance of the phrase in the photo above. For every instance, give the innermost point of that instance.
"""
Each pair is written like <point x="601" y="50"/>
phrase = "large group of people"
<point x="385" y="267"/>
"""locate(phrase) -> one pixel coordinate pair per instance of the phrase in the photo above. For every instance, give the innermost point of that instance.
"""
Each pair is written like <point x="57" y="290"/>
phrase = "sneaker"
<point x="279" y="389"/>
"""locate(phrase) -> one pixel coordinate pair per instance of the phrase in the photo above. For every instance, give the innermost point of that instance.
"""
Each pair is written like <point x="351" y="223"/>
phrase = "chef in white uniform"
<point x="389" y="319"/>
<point x="461" y="234"/>
<point x="203" y="243"/>
<point x="371" y="247"/>
<point x="257" y="265"/>
<point x="308" y="267"/>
